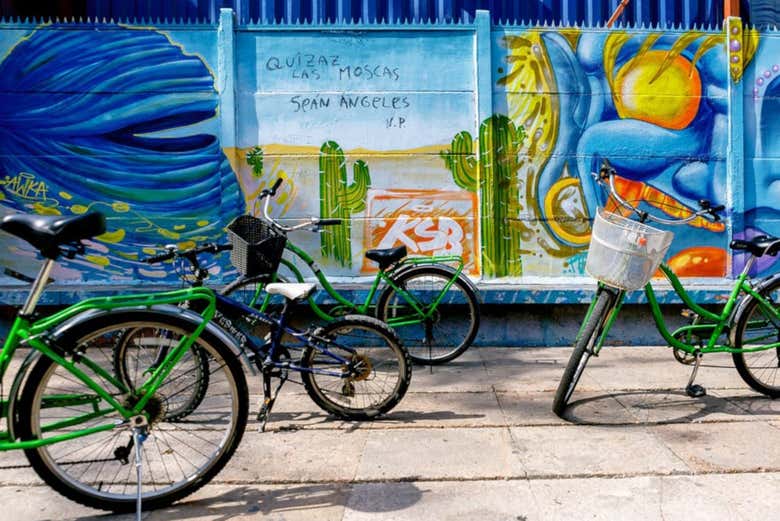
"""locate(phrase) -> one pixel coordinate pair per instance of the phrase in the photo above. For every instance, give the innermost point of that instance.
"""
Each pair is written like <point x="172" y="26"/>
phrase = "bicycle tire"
<point x="193" y="366"/>
<point x="101" y="479"/>
<point x="759" y="369"/>
<point x="446" y="334"/>
<point x="375" y="384"/>
<point x="581" y="353"/>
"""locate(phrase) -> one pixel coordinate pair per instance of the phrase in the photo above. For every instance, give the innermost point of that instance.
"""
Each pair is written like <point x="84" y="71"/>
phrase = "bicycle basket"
<point x="624" y="253"/>
<point x="257" y="247"/>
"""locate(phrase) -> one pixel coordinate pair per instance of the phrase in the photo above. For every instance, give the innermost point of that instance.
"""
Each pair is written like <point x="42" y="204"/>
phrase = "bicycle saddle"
<point x="758" y="246"/>
<point x="48" y="232"/>
<point x="291" y="290"/>
<point x="387" y="256"/>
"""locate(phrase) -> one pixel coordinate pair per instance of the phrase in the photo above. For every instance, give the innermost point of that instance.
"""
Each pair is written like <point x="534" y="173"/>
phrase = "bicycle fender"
<point x="16" y="386"/>
<point x="175" y="312"/>
<point x="404" y="268"/>
<point x="740" y="308"/>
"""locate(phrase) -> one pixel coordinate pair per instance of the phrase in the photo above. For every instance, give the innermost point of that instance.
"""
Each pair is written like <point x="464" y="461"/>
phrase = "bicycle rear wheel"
<point x="355" y="368"/>
<point x="448" y="330"/>
<point x="191" y="373"/>
<point x="583" y="347"/>
<point x="98" y="469"/>
<point x="756" y="327"/>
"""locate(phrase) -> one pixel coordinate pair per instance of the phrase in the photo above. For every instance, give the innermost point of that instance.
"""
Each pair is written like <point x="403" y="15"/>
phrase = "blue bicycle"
<point x="354" y="367"/>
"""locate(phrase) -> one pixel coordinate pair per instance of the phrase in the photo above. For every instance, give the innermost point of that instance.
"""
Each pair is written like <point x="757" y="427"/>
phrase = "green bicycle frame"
<point x="33" y="334"/>
<point x="381" y="277"/>
<point x="713" y="324"/>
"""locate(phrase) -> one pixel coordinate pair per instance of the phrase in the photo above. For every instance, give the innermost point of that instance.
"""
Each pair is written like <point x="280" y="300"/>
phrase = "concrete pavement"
<point x="475" y="439"/>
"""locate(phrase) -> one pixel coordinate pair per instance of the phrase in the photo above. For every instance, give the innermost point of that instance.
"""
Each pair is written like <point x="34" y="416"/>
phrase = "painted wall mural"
<point x="115" y="119"/>
<point x="382" y="130"/>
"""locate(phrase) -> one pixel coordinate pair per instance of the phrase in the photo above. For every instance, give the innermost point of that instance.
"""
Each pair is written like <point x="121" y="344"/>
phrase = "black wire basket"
<point x="257" y="247"/>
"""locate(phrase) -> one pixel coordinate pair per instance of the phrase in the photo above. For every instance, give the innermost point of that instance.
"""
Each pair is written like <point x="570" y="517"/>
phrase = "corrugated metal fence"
<point x="685" y="13"/>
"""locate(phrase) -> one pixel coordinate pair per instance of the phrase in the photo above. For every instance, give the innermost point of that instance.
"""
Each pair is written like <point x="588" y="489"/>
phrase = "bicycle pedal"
<point x="695" y="391"/>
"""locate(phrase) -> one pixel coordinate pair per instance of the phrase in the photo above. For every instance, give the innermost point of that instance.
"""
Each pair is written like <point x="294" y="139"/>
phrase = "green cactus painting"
<point x="339" y="200"/>
<point x="255" y="159"/>
<point x="494" y="173"/>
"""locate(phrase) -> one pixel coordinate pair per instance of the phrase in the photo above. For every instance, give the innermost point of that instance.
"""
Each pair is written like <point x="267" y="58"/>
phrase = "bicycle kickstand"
<point x="269" y="398"/>
<point x="140" y="433"/>
<point x="695" y="390"/>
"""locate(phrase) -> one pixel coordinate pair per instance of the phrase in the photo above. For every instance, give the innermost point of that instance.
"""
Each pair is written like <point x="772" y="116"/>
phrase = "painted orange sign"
<point x="427" y="222"/>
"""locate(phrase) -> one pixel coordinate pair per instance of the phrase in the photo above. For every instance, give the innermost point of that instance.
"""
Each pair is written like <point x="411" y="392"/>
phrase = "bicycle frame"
<point x="279" y="327"/>
<point x="714" y="324"/>
<point x="32" y="334"/>
<point x="382" y="277"/>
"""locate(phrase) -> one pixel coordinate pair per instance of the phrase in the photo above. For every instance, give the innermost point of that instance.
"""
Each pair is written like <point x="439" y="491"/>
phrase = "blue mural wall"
<point x="471" y="139"/>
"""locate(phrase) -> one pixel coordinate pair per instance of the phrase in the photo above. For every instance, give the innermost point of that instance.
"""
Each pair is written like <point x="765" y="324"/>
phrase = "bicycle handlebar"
<point x="709" y="212"/>
<point x="312" y="222"/>
<point x="189" y="254"/>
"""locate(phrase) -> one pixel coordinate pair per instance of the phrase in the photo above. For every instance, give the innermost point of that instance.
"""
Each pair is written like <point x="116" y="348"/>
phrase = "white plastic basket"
<point x="625" y="253"/>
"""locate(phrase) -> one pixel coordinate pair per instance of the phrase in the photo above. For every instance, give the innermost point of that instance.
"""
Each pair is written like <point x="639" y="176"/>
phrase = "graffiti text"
<point x="26" y="186"/>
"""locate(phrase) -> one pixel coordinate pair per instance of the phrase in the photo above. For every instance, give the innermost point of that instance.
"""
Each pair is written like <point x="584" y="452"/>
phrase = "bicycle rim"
<point x="358" y="370"/>
<point x="447" y="331"/>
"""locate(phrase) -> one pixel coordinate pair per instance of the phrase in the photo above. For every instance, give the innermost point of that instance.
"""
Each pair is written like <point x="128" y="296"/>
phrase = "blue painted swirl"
<point x="104" y="115"/>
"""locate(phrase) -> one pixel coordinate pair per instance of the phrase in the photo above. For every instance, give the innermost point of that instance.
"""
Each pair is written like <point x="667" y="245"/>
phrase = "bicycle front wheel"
<point x="583" y="349"/>
<point x="435" y="325"/>
<point x="97" y="468"/>
<point x="355" y="368"/>
<point x="758" y="327"/>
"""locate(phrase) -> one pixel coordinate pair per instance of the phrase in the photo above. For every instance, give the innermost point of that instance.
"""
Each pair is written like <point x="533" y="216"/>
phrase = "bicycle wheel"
<point x="583" y="349"/>
<point x="98" y="469"/>
<point x="191" y="372"/>
<point x="755" y="328"/>
<point x="355" y="368"/>
<point x="448" y="331"/>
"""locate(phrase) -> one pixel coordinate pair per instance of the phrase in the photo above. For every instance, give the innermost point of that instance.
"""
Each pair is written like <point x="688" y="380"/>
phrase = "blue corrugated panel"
<point x="682" y="13"/>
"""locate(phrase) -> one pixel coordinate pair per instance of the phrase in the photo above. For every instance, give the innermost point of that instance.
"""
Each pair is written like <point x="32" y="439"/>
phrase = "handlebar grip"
<point x="328" y="222"/>
<point x="276" y="185"/>
<point x="222" y="247"/>
<point x="159" y="258"/>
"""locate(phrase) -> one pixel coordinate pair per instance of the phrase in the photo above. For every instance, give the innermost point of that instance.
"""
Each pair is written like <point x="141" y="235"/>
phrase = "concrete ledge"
<point x="520" y="291"/>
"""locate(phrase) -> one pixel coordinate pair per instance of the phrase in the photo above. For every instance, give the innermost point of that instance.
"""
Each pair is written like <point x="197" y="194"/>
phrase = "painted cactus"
<point x="339" y="200"/>
<point x="495" y="175"/>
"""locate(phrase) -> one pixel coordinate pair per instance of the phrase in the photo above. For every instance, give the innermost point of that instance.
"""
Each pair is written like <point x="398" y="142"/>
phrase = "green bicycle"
<point x="624" y="254"/>
<point x="88" y="435"/>
<point x="432" y="306"/>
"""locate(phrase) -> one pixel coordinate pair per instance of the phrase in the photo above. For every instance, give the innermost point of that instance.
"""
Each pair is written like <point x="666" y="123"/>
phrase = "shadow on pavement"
<point x="659" y="407"/>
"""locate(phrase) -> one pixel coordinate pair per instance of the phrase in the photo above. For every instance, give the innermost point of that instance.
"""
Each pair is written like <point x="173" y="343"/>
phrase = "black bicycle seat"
<point x="386" y="256"/>
<point x="48" y="232"/>
<point x="758" y="246"/>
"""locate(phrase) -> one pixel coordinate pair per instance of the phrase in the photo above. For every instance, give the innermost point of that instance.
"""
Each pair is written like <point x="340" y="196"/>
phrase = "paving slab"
<point x="753" y="404"/>
<point x="663" y="498"/>
<point x="736" y="447"/>
<point x="656" y="407"/>
<point x="504" y="500"/>
<point x="529" y="369"/>
<point x="295" y="456"/>
<point x="433" y="454"/>
<point x="629" y="368"/>
<point x="443" y="410"/>
<point x="534" y="408"/>
<point x="467" y="373"/>
<point x="593" y="450"/>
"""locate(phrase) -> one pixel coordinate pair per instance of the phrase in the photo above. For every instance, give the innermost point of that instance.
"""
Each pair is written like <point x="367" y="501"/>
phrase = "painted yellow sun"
<point x="658" y="88"/>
